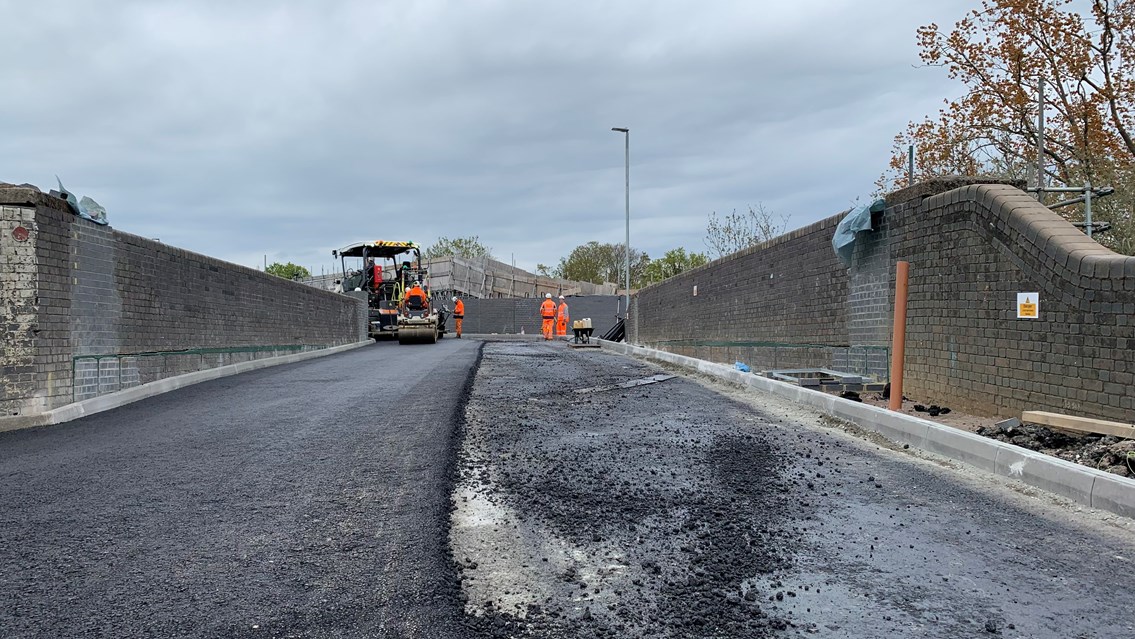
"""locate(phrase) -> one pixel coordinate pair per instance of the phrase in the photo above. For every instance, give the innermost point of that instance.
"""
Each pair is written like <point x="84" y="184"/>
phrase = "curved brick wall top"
<point x="971" y="250"/>
<point x="1041" y="240"/>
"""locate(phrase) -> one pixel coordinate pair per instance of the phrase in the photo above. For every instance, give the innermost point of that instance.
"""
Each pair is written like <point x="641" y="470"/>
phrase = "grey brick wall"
<point x="96" y="305"/>
<point x="55" y="283"/>
<point x="870" y="301"/>
<point x="972" y="248"/>
<point x="510" y="315"/>
<point x="790" y="290"/>
<point x="90" y="310"/>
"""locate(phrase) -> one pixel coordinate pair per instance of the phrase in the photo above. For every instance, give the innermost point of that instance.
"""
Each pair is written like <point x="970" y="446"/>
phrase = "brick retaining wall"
<point x="790" y="290"/>
<point x="510" y="315"/>
<point x="971" y="251"/>
<point x="972" y="248"/>
<point x="90" y="310"/>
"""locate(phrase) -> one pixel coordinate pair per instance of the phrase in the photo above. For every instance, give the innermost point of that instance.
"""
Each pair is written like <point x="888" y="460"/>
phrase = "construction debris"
<point x="933" y="410"/>
<point x="822" y="379"/>
<point x="631" y="384"/>
<point x="1075" y="424"/>
<point x="1103" y="452"/>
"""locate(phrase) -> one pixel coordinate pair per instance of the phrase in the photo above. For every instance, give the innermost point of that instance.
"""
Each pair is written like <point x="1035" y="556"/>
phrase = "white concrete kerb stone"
<point x="1081" y="484"/>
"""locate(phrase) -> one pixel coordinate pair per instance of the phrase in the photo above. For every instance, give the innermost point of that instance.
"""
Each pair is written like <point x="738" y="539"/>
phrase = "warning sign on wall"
<point x="1028" y="305"/>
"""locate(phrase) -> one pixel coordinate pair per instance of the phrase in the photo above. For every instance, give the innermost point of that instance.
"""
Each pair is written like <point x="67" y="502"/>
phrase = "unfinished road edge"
<point x="109" y="401"/>
<point x="1080" y="484"/>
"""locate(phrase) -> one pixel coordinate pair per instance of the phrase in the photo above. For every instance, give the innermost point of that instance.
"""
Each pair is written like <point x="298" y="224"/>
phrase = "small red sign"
<point x="20" y="233"/>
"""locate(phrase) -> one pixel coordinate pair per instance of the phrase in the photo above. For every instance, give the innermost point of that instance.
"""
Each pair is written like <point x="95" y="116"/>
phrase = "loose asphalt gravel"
<point x="686" y="508"/>
<point x="393" y="492"/>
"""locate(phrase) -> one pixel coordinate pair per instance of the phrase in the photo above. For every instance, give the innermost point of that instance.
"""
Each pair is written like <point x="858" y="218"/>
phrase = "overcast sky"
<point x="287" y="129"/>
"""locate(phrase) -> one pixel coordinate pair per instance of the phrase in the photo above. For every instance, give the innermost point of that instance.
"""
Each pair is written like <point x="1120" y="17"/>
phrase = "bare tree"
<point x="738" y="231"/>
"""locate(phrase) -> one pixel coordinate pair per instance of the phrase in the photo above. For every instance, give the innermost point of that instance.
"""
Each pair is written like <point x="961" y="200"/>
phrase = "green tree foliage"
<point x="288" y="271"/>
<point x="675" y="261"/>
<point x="466" y="247"/>
<point x="598" y="263"/>
<point x="738" y="231"/>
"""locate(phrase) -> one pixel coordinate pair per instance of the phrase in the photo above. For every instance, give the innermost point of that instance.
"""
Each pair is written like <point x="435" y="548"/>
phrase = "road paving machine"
<point x="385" y="271"/>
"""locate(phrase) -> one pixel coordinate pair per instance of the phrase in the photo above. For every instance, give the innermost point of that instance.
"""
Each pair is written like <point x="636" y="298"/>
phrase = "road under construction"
<point x="517" y="488"/>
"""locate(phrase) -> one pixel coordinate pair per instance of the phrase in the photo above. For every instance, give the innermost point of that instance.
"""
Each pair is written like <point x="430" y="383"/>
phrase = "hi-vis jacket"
<point x="548" y="309"/>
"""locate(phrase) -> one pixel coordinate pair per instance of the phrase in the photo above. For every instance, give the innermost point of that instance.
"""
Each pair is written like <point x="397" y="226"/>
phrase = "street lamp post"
<point x="627" y="265"/>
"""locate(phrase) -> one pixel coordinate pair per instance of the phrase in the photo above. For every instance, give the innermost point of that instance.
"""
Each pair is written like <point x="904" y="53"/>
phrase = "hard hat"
<point x="417" y="283"/>
<point x="548" y="295"/>
<point x="561" y="297"/>
<point x="454" y="298"/>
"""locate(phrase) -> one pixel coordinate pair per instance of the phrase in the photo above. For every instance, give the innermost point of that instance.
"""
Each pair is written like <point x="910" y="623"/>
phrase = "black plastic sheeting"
<point x="617" y="333"/>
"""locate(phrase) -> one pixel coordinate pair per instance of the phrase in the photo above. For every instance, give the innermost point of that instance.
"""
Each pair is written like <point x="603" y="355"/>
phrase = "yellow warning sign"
<point x="1028" y="305"/>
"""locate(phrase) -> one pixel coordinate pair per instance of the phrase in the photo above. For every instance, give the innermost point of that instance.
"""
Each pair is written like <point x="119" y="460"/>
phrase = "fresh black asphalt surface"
<point x="305" y="500"/>
<point x="427" y="491"/>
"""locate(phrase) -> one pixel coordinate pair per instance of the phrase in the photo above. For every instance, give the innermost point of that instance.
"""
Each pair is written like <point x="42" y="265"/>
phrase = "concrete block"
<point x="902" y="429"/>
<point x="1047" y="473"/>
<point x="735" y="376"/>
<point x="1088" y="265"/>
<point x="1012" y="422"/>
<point x="24" y="421"/>
<point x="760" y="383"/>
<point x="975" y="450"/>
<point x="617" y="347"/>
<point x="1103" y="266"/>
<point x="1114" y="494"/>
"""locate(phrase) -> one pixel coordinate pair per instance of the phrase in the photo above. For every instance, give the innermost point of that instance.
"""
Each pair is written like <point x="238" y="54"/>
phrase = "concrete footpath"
<point x="106" y="402"/>
<point x="1081" y="484"/>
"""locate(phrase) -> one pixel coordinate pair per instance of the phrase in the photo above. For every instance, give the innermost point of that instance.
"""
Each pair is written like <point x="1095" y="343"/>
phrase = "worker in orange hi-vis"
<point x="562" y="318"/>
<point x="548" y="315"/>
<point x="458" y="314"/>
<point x="415" y="297"/>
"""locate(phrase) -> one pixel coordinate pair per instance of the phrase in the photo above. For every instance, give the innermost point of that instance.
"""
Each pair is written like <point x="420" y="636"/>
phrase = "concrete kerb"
<point x="121" y="398"/>
<point x="1081" y="484"/>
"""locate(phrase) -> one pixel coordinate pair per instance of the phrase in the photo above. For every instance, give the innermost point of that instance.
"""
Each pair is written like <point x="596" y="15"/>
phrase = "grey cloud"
<point x="288" y="129"/>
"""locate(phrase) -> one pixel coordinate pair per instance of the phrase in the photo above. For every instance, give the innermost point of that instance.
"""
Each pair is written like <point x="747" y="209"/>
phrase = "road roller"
<point x="385" y="270"/>
<point x="418" y="327"/>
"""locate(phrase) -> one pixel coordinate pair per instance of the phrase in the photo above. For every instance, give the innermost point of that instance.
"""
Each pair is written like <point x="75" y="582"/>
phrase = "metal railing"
<point x="126" y="372"/>
<point x="865" y="360"/>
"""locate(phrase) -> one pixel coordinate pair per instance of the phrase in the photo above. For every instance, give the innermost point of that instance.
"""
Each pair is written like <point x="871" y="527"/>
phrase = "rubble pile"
<point x="1104" y="452"/>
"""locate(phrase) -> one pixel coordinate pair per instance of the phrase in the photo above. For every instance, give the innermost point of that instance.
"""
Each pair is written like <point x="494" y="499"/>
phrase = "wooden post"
<point x="898" y="336"/>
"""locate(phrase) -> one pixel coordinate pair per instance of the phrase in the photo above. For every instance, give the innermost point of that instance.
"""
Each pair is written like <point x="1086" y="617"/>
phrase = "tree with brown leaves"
<point x="1000" y="52"/>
